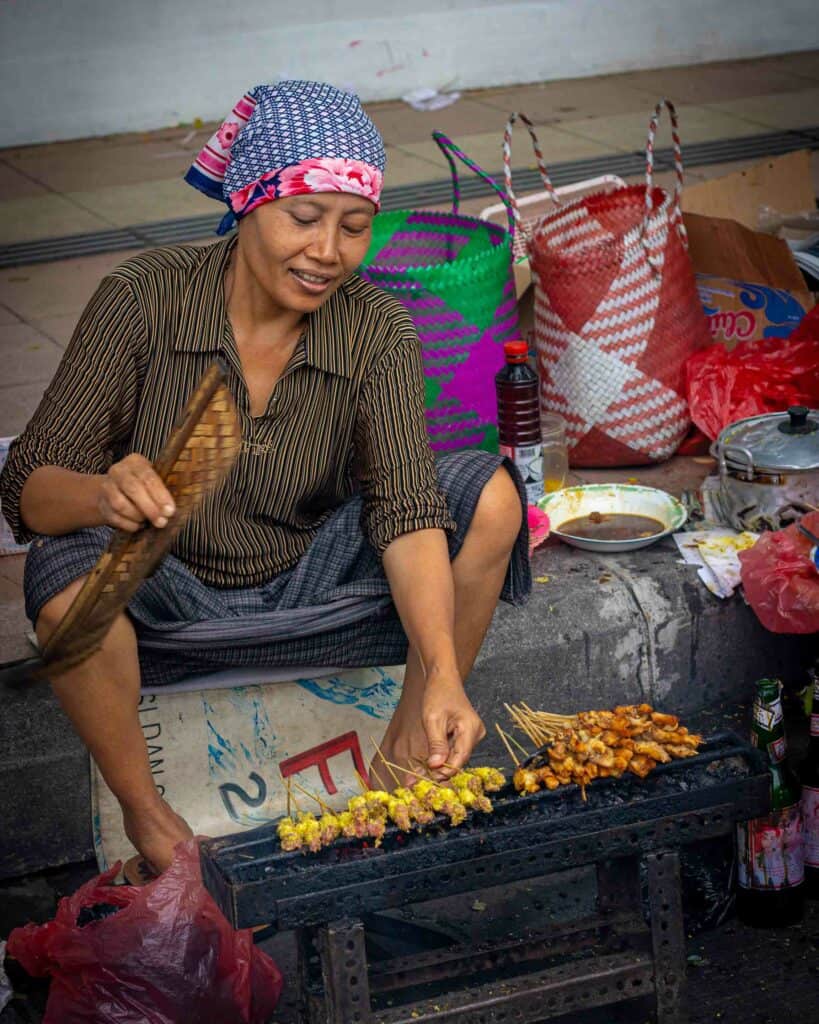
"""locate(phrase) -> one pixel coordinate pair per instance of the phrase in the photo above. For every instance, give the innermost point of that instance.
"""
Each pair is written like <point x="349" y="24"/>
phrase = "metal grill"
<point x="625" y="827"/>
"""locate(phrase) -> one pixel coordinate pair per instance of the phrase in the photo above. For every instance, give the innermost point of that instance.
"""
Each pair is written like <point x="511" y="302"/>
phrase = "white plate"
<point x="571" y="502"/>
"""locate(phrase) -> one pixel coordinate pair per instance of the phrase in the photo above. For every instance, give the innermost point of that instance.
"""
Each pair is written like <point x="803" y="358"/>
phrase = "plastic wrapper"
<point x="752" y="379"/>
<point x="167" y="956"/>
<point x="780" y="580"/>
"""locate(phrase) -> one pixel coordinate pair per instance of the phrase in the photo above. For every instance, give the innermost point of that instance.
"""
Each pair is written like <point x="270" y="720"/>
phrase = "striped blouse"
<point x="346" y="416"/>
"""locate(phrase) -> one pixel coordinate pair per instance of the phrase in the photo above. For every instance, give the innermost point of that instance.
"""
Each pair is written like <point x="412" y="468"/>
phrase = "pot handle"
<point x="740" y="454"/>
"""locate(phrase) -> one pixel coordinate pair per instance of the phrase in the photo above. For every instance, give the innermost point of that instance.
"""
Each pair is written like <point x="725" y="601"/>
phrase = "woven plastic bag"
<point x="166" y="956"/>
<point x="454" y="274"/>
<point x="616" y="313"/>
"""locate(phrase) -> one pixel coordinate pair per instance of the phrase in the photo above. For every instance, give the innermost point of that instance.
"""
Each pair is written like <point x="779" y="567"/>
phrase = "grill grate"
<point x="430" y="193"/>
<point x="254" y="881"/>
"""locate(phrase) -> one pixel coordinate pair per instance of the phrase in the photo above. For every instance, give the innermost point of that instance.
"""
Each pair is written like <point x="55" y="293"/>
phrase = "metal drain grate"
<point x="429" y="193"/>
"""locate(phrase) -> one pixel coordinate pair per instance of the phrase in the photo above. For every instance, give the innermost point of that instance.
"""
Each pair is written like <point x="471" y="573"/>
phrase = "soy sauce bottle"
<point x="770" y="855"/>
<point x="516" y="387"/>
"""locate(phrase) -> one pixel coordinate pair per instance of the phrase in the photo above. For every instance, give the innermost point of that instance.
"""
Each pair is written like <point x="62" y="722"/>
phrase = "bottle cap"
<point x="516" y="351"/>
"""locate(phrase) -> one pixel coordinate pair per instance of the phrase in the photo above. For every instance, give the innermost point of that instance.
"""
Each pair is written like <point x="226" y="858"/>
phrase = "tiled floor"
<point x="91" y="184"/>
<point x="96" y="184"/>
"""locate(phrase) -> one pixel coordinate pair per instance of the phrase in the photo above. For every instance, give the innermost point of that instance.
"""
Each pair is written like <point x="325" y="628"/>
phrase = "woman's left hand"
<point x="451" y="724"/>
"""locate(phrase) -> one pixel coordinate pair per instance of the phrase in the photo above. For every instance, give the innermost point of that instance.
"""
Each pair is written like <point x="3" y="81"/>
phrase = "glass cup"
<point x="555" y="451"/>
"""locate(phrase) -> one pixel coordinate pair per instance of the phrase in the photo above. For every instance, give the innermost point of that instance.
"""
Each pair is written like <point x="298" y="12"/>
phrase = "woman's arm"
<point x="124" y="497"/>
<point x="56" y="474"/>
<point x="420" y="577"/>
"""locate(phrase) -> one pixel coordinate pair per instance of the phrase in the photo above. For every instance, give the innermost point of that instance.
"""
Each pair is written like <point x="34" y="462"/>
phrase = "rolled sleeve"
<point x="88" y="408"/>
<point x="396" y="469"/>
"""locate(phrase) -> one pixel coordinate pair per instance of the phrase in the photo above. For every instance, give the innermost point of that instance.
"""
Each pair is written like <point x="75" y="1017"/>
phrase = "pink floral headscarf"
<point x="294" y="138"/>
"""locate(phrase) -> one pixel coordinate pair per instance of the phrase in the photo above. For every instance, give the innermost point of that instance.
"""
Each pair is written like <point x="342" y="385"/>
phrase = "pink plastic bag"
<point x="780" y="581"/>
<point x="754" y="378"/>
<point x="167" y="957"/>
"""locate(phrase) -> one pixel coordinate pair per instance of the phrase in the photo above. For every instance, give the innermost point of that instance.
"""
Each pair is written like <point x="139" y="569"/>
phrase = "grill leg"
<point x="667" y="936"/>
<point x="305" y="938"/>
<point x="344" y="969"/>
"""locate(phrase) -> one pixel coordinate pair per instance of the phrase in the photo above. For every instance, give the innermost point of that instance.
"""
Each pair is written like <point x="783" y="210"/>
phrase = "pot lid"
<point x="775" y="442"/>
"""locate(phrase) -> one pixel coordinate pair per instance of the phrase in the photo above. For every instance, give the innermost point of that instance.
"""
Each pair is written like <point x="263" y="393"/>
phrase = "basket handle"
<point x="507" y="164"/>
<point x="448" y="148"/>
<point x="676" y="212"/>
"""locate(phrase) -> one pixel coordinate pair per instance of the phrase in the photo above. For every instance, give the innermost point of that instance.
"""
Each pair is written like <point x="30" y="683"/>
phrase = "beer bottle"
<point x="770" y="856"/>
<point x="809" y="775"/>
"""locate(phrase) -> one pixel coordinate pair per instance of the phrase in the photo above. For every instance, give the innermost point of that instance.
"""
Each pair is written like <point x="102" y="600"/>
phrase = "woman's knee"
<point x="52" y="612"/>
<point x="499" y="512"/>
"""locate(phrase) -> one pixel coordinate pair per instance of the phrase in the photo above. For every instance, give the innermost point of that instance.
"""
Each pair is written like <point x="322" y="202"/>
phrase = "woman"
<point x="330" y="541"/>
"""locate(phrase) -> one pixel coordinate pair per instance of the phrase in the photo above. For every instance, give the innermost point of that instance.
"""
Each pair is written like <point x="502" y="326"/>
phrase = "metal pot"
<point x="769" y="468"/>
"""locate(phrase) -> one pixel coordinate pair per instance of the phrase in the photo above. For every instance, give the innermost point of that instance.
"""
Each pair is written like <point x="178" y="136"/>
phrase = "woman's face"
<point x="300" y="249"/>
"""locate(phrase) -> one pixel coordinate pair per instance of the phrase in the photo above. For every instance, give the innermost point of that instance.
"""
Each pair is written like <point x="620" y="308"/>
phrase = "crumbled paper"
<point x="716" y="552"/>
<point x="430" y="99"/>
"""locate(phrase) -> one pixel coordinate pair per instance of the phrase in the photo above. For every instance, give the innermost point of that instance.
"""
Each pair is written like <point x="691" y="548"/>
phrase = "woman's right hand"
<point x="131" y="493"/>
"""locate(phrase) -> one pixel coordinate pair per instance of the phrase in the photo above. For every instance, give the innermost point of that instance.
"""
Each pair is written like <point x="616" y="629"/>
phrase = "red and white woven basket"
<point x="616" y="313"/>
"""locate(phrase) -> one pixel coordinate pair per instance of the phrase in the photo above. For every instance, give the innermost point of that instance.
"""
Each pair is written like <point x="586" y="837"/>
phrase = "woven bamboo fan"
<point x="195" y="459"/>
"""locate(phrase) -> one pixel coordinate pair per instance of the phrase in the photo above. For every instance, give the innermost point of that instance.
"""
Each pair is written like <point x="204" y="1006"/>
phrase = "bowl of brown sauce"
<point x="612" y="517"/>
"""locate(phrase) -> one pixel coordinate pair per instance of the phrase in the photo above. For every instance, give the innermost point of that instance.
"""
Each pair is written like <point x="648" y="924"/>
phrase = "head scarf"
<point x="290" y="139"/>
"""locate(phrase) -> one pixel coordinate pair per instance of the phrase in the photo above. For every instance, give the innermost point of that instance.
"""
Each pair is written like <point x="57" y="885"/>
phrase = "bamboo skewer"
<point x="417" y="775"/>
<point x="384" y="762"/>
<point x="506" y="743"/>
<point x="325" y="808"/>
<point x="519" y="745"/>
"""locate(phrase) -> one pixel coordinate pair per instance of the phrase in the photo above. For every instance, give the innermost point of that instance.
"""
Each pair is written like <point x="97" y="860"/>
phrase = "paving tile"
<point x="721" y="81"/>
<point x="124" y="205"/>
<point x="628" y="132"/>
<point x="26" y="355"/>
<point x="66" y="168"/>
<point x="485" y="149"/>
<point x="7" y="316"/>
<point x="45" y="290"/>
<point x="570" y="99"/>
<point x="45" y="216"/>
<point x="803" y="65"/>
<point x="58" y="328"/>
<point x="405" y="168"/>
<point x="11" y="569"/>
<point x="399" y="123"/>
<point x="14" y="185"/>
<point x="17" y="405"/>
<point x="775" y="112"/>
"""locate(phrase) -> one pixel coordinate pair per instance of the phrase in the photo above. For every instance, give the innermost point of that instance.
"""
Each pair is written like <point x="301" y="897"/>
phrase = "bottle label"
<point x="768" y="715"/>
<point x="529" y="462"/>
<point x="770" y="851"/>
<point x="777" y="749"/>
<point x="814" y="722"/>
<point x="810" y="815"/>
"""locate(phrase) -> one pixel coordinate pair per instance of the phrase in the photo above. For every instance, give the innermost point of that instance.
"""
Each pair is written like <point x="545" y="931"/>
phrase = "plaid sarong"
<point x="332" y="608"/>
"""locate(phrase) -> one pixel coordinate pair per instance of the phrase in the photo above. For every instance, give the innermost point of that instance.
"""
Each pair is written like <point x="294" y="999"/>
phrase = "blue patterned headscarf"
<point x="292" y="138"/>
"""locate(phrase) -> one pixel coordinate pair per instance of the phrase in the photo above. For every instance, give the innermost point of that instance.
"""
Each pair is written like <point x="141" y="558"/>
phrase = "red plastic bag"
<point x="167" y="957"/>
<point x="780" y="580"/>
<point x="754" y="378"/>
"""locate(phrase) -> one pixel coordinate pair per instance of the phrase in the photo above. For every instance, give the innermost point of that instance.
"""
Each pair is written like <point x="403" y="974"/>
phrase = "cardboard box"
<point x="782" y="185"/>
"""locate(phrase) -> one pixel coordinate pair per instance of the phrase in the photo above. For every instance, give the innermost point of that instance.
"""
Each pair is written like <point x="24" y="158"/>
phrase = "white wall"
<point x="72" y="68"/>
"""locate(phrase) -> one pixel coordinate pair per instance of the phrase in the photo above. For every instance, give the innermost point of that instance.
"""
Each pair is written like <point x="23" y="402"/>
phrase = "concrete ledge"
<point x="603" y="630"/>
<point x="608" y="629"/>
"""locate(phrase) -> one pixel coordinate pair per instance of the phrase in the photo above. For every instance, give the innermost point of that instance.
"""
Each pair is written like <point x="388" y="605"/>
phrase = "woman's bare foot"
<point x="155" y="831"/>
